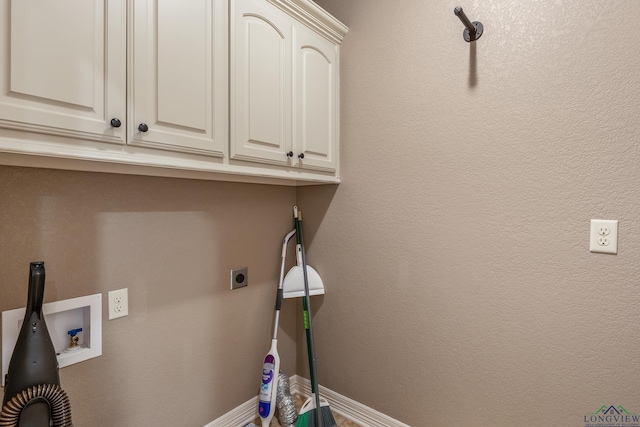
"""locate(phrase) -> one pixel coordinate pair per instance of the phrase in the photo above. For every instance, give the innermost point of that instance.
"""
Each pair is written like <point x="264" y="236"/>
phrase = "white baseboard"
<point x="348" y="408"/>
<point x="238" y="417"/>
<point x="342" y="405"/>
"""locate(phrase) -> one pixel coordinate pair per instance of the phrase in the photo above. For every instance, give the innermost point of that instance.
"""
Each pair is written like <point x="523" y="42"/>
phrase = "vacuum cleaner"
<point x="32" y="395"/>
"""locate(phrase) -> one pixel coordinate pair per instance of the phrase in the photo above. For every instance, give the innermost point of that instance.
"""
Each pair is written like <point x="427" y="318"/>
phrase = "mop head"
<point x="55" y="396"/>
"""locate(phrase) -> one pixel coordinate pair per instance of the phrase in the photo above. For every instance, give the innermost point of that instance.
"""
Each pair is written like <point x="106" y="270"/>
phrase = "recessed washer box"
<point x="61" y="317"/>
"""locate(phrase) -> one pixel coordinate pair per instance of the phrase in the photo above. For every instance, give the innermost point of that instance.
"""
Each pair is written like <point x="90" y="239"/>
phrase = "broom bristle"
<point x="327" y="417"/>
<point x="308" y="419"/>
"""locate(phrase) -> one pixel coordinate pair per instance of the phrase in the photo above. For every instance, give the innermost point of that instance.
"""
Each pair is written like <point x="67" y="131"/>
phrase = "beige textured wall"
<point x="460" y="287"/>
<point x="191" y="349"/>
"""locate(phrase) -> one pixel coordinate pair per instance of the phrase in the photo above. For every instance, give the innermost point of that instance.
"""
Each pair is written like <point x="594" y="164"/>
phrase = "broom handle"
<point x="306" y="305"/>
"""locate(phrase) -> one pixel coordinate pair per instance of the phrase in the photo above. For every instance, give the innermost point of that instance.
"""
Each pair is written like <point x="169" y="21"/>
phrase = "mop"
<point x="271" y="365"/>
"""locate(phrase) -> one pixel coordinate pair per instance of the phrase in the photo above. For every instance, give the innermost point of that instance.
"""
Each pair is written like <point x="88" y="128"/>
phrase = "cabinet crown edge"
<point x="309" y="13"/>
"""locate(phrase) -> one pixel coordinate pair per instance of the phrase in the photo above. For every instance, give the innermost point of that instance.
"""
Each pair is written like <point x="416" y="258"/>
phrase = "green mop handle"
<point x="306" y="304"/>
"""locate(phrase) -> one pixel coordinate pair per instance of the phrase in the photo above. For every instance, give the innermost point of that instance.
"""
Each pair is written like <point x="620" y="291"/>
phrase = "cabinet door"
<point x="178" y="59"/>
<point x="261" y="54"/>
<point x="63" y="67"/>
<point x="316" y="101"/>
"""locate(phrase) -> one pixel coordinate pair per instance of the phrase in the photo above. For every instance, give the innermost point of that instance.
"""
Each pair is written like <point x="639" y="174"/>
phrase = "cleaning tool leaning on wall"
<point x="315" y="412"/>
<point x="32" y="395"/>
<point x="271" y="366"/>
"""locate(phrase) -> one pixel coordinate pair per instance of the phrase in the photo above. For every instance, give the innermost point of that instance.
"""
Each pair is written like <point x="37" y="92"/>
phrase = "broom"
<point x="313" y="413"/>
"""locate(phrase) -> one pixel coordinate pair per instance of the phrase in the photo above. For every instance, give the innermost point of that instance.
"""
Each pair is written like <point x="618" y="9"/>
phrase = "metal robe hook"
<point x="474" y="29"/>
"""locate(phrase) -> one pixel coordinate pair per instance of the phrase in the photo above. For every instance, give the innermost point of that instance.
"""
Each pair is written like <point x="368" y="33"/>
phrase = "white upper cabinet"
<point x="179" y="96"/>
<point x="236" y="90"/>
<point x="63" y="68"/>
<point x="284" y="89"/>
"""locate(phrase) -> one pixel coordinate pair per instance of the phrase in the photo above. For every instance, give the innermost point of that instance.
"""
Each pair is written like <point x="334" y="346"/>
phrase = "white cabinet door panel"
<point x="316" y="101"/>
<point x="63" y="64"/>
<point x="261" y="83"/>
<point x="179" y="59"/>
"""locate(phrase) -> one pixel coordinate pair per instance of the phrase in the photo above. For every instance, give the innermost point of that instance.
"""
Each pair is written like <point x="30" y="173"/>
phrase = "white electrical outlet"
<point x="118" y="303"/>
<point x="604" y="236"/>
